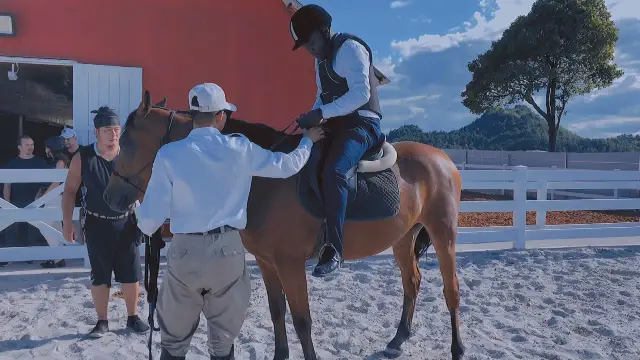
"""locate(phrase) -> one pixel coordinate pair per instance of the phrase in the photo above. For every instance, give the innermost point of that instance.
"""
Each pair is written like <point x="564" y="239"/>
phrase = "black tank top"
<point x="96" y="171"/>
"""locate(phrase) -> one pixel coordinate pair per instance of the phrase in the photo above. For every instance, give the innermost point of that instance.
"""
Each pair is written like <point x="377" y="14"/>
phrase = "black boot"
<point x="166" y="356"/>
<point x="226" y="357"/>
<point x="330" y="261"/>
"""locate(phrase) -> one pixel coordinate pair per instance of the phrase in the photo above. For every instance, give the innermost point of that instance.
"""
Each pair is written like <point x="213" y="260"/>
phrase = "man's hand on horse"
<point x="315" y="133"/>
<point x="310" y="119"/>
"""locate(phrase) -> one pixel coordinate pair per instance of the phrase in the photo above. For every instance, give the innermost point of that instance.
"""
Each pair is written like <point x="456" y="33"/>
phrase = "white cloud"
<point x="407" y="100"/>
<point x="603" y="123"/>
<point x="490" y="26"/>
<point x="422" y="19"/>
<point x="398" y="4"/>
<point x="387" y="67"/>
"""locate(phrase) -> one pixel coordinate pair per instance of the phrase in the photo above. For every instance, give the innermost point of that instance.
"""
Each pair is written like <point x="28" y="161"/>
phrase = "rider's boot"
<point x="330" y="261"/>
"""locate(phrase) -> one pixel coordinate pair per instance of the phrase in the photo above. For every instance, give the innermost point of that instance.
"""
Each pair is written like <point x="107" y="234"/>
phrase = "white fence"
<point x="563" y="160"/>
<point x="519" y="179"/>
<point x="586" y="193"/>
<point x="45" y="214"/>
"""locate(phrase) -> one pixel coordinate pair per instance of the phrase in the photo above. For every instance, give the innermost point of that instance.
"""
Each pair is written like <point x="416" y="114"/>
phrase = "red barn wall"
<point x="243" y="45"/>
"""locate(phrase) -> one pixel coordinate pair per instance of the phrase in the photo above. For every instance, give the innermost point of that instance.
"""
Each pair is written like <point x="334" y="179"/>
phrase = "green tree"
<point x="563" y="48"/>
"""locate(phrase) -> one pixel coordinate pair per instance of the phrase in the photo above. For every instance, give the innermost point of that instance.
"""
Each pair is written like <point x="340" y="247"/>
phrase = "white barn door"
<point x="98" y="85"/>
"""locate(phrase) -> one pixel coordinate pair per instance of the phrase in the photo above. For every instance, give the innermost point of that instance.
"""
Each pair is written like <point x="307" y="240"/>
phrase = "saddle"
<point x="373" y="192"/>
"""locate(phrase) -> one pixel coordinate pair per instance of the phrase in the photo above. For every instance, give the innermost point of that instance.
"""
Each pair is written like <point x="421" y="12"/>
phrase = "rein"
<point x="153" y="245"/>
<point x="285" y="136"/>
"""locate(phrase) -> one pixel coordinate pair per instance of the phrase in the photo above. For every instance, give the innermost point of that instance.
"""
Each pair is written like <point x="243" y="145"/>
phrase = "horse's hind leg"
<point x="277" y="307"/>
<point x="442" y="225"/>
<point x="407" y="256"/>
<point x="294" y="282"/>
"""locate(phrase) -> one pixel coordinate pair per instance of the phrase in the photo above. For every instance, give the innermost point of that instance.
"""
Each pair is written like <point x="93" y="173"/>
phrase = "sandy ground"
<point x="535" y="304"/>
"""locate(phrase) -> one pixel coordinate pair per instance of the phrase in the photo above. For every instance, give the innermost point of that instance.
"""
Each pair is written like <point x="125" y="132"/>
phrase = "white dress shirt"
<point x="202" y="182"/>
<point x="352" y="63"/>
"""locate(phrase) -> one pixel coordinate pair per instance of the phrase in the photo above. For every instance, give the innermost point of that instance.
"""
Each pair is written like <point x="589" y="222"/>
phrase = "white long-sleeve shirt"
<point x="352" y="63"/>
<point x="202" y="182"/>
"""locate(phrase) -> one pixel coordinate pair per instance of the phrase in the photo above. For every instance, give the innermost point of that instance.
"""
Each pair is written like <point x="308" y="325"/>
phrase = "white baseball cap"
<point x="68" y="133"/>
<point x="209" y="97"/>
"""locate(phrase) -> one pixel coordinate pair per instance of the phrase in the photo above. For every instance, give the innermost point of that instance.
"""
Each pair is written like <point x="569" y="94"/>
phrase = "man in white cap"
<point x="70" y="141"/>
<point x="202" y="184"/>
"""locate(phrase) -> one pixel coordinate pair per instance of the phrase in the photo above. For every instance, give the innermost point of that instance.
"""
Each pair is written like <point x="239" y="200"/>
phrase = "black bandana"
<point x="105" y="117"/>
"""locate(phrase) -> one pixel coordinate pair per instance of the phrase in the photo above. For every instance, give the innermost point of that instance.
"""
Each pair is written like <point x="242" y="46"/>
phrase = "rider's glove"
<point x="310" y="119"/>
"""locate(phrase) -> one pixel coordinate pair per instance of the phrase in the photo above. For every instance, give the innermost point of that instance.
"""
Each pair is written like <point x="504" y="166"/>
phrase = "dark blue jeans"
<point x="347" y="140"/>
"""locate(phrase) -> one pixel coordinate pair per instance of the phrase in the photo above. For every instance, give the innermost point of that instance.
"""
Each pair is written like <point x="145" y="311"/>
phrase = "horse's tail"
<point x="423" y="241"/>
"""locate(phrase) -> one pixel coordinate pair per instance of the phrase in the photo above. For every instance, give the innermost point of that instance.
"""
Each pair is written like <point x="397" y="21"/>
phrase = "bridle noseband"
<point x="165" y="140"/>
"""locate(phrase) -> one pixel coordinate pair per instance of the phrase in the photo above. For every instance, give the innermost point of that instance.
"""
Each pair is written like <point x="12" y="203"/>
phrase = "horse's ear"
<point x="145" y="105"/>
<point x="162" y="103"/>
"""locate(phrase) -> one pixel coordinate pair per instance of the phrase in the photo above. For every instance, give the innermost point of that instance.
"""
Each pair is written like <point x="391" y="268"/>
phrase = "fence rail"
<point x="543" y="159"/>
<point x="519" y="180"/>
<point x="559" y="189"/>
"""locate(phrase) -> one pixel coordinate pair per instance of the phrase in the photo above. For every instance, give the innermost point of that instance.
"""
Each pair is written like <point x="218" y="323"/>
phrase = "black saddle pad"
<point x="377" y="197"/>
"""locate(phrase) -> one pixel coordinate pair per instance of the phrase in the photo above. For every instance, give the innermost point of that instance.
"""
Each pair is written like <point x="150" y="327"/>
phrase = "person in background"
<point x="206" y="269"/>
<point x="111" y="237"/>
<point x="59" y="159"/>
<point x="23" y="234"/>
<point x="70" y="141"/>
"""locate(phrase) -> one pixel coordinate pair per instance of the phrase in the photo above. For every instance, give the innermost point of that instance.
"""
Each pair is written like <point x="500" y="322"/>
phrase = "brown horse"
<point x="429" y="197"/>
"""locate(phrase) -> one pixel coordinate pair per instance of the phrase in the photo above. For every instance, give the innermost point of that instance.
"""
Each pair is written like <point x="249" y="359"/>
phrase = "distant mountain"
<point x="514" y="129"/>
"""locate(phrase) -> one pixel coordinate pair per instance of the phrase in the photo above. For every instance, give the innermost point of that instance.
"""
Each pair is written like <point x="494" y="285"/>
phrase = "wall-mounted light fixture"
<point x="7" y="27"/>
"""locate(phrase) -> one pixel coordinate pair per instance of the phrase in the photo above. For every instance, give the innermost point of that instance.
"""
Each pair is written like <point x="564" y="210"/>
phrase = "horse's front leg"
<point x="277" y="307"/>
<point x="294" y="282"/>
<point x="407" y="260"/>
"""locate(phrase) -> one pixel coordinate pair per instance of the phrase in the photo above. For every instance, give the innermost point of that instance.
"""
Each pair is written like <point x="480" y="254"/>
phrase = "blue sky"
<point x="424" y="47"/>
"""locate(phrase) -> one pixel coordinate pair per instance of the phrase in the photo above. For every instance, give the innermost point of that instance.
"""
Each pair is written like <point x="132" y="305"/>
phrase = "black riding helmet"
<point x="304" y="21"/>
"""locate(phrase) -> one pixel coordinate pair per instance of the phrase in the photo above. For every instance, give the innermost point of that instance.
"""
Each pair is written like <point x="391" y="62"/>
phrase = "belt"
<point x="219" y="230"/>
<point x="107" y="217"/>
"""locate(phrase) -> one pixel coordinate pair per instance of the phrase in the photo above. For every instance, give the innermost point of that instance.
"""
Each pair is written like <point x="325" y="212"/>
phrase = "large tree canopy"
<point x="562" y="48"/>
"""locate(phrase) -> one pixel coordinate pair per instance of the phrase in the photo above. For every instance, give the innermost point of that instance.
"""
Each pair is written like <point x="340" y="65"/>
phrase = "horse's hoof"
<point x="281" y="354"/>
<point x="392" y="353"/>
<point x="457" y="352"/>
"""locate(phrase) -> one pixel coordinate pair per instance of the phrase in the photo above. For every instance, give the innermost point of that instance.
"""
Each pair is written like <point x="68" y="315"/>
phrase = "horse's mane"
<point x="261" y="134"/>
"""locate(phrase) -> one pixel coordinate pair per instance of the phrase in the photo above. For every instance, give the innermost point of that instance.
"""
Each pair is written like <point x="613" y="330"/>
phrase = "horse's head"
<point x="147" y="128"/>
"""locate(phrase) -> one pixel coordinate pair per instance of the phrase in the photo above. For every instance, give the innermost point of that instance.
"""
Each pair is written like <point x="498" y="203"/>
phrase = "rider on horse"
<point x="347" y="104"/>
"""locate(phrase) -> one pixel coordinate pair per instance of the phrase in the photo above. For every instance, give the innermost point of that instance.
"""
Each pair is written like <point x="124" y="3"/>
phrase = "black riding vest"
<point x="334" y="86"/>
<point x="95" y="176"/>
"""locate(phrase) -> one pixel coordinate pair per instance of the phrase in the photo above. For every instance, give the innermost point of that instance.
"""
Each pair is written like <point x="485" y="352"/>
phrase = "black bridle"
<point x="165" y="140"/>
<point x="285" y="134"/>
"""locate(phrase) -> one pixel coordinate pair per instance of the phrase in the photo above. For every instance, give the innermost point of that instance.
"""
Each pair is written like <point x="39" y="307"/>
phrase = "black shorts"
<point x="113" y="247"/>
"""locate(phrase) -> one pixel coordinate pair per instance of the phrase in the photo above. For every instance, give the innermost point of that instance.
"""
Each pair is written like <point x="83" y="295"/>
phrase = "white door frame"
<point x="80" y="126"/>
<point x="36" y="61"/>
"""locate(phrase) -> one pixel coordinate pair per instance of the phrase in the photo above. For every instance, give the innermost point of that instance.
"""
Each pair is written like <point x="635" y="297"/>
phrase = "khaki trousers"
<point x="208" y="274"/>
